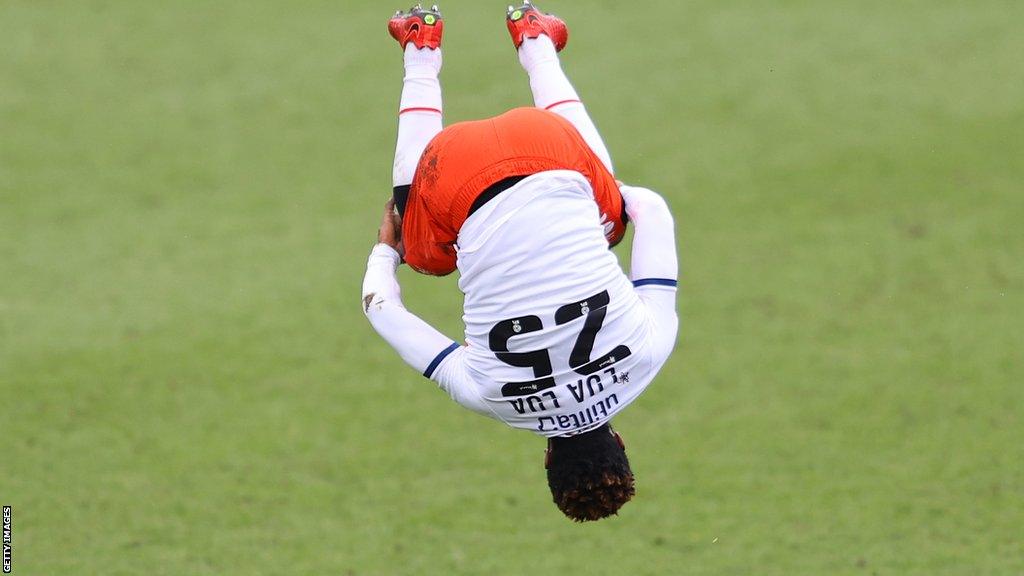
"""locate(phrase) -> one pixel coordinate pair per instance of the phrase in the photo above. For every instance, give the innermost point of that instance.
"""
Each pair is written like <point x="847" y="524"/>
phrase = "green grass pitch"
<point x="188" y="191"/>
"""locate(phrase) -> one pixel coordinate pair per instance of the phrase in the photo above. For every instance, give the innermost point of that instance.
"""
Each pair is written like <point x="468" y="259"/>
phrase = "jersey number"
<point x="594" y="308"/>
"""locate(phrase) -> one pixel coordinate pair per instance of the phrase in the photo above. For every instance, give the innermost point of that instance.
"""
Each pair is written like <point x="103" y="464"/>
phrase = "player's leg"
<point x="539" y="37"/>
<point x="419" y="118"/>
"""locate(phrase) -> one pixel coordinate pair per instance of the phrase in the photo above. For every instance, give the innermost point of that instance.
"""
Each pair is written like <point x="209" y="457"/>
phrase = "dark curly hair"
<point x="589" y="474"/>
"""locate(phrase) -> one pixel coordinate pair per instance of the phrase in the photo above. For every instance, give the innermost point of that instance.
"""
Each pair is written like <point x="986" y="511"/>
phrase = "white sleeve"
<point x="418" y="343"/>
<point x="654" y="269"/>
<point x="421" y="346"/>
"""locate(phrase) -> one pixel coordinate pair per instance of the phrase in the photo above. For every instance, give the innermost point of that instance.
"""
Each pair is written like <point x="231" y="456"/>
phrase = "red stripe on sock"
<point x="563" y="102"/>
<point x="400" y="112"/>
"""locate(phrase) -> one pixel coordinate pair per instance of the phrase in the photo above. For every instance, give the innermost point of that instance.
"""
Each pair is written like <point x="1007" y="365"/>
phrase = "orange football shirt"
<point x="464" y="159"/>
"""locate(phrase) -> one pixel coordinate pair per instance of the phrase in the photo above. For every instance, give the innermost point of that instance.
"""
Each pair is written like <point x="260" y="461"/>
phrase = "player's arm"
<point x="419" y="344"/>
<point x="654" y="268"/>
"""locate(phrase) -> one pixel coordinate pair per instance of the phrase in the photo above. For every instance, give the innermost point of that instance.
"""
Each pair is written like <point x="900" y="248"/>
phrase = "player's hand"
<point x="642" y="203"/>
<point x="390" y="231"/>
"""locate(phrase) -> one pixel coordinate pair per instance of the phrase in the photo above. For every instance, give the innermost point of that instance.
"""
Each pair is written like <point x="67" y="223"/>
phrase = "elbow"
<point x="374" y="306"/>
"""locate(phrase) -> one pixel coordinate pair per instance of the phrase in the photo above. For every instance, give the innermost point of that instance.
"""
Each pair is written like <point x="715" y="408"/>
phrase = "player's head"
<point x="589" y="474"/>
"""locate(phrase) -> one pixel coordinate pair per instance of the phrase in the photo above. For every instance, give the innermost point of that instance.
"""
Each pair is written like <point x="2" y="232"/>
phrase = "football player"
<point x="558" y="338"/>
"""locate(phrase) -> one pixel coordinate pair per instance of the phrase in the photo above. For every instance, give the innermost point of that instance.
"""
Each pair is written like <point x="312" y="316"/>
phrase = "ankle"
<point x="537" y="51"/>
<point x="422" y="62"/>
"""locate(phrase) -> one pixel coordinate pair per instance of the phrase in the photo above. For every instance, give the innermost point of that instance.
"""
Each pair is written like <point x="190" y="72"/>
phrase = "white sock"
<point x="419" y="116"/>
<point x="553" y="91"/>
<point x="547" y="80"/>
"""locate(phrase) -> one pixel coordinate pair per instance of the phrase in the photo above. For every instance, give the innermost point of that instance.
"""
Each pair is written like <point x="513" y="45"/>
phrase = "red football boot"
<point x="528" y="22"/>
<point x="420" y="26"/>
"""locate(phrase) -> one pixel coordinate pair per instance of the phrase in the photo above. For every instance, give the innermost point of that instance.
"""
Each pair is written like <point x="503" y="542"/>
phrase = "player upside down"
<point x="558" y="338"/>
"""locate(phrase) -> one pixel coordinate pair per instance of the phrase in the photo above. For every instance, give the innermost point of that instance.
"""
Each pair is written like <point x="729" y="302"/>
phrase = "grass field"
<point x="188" y="191"/>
